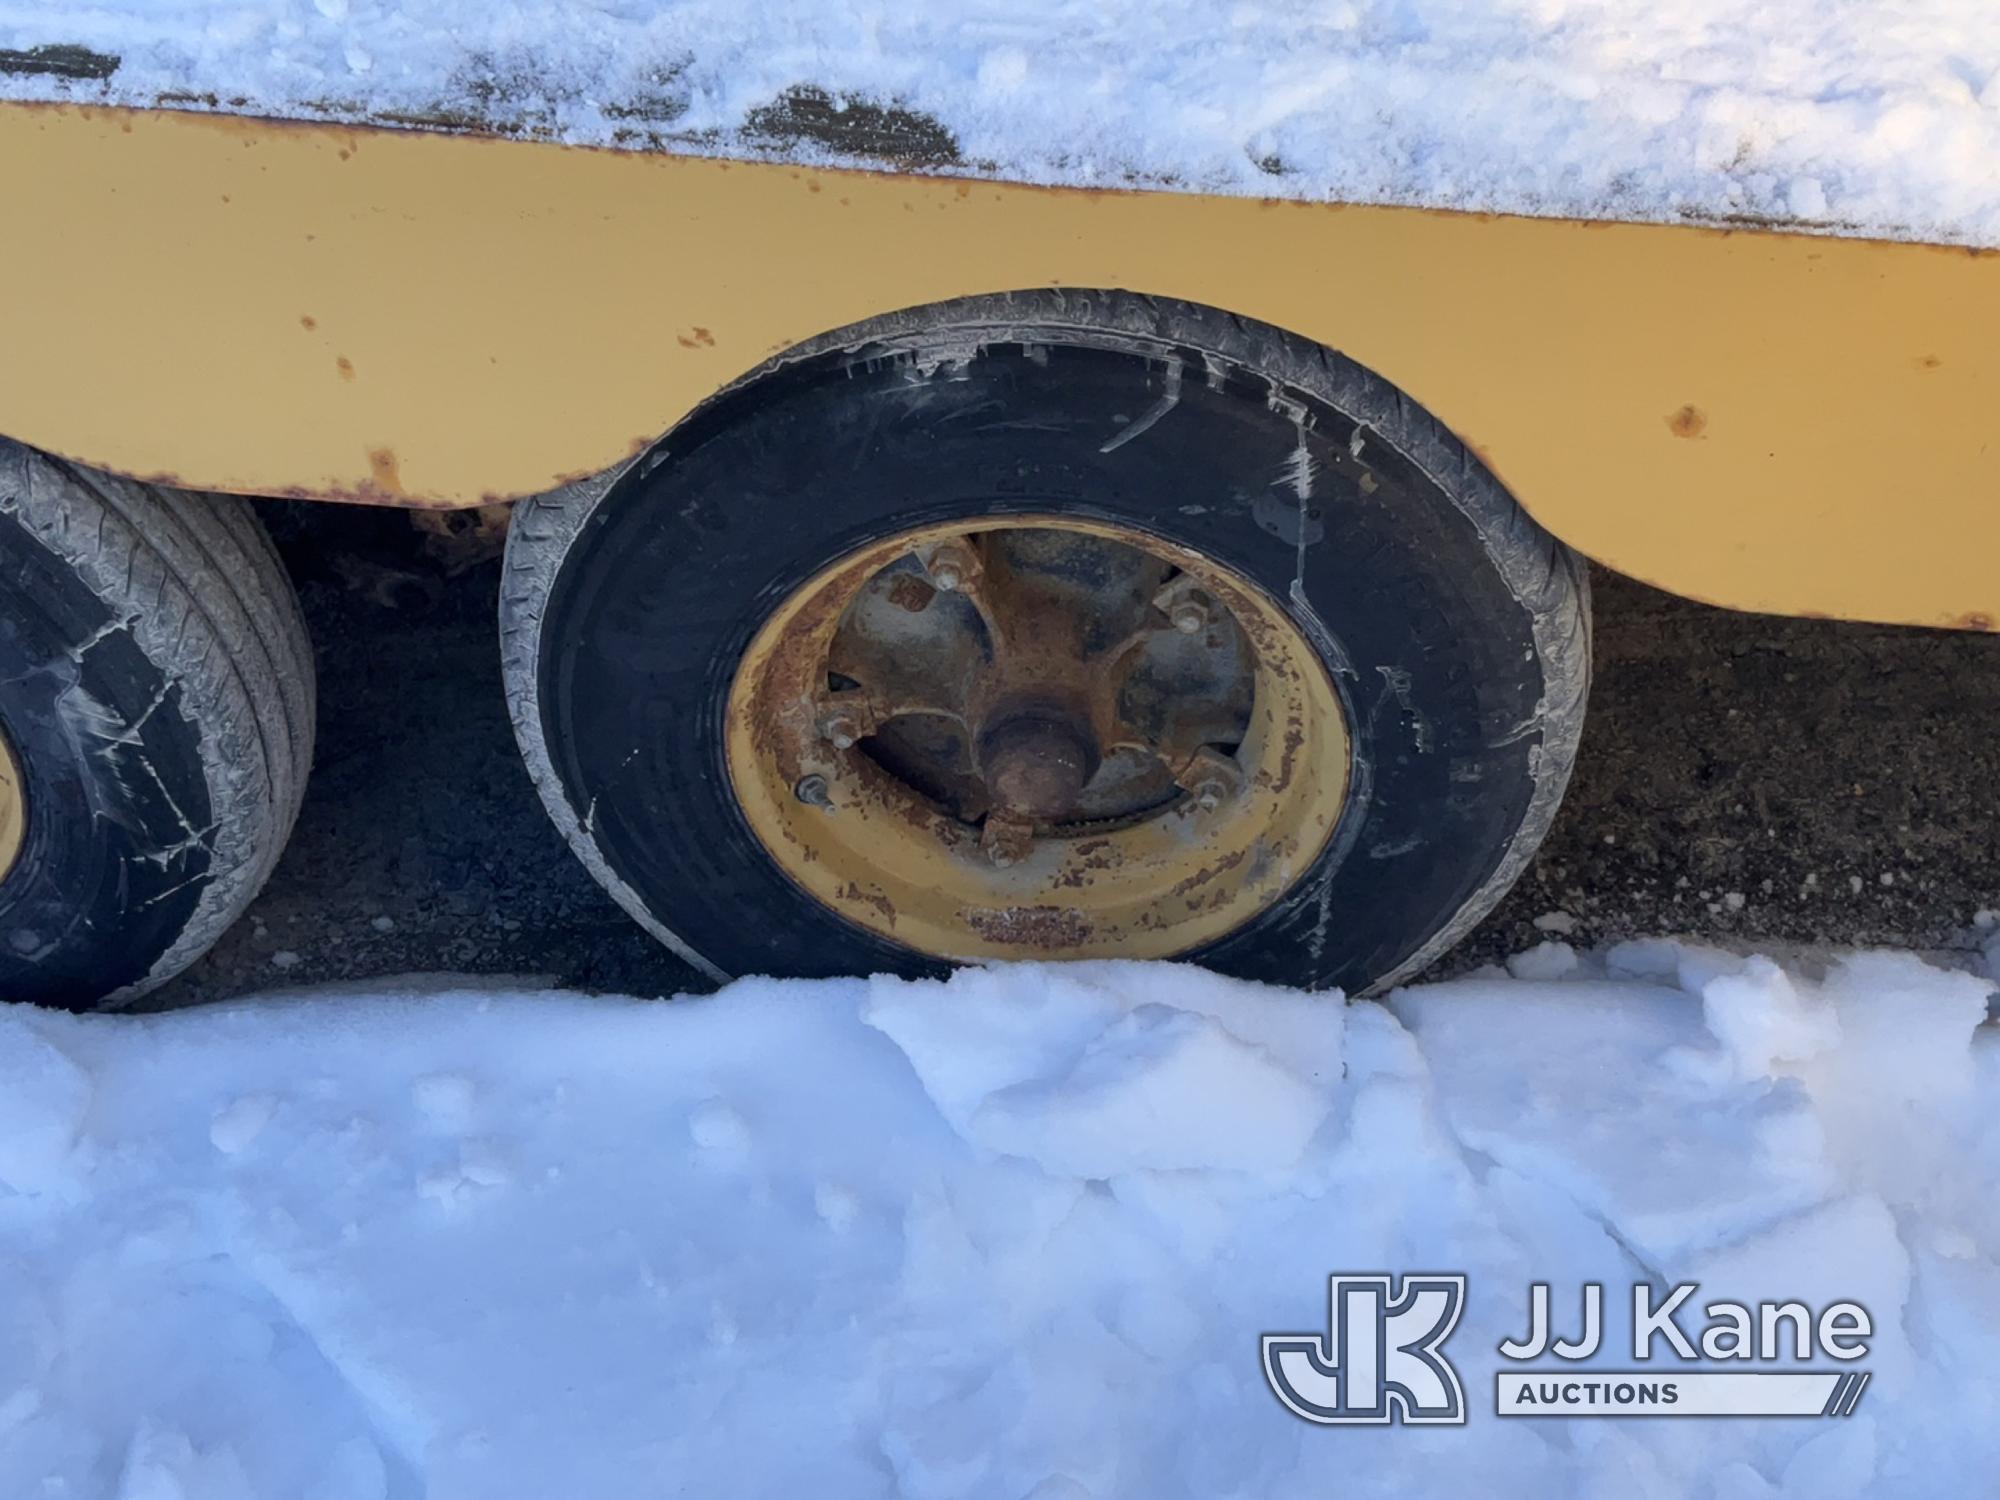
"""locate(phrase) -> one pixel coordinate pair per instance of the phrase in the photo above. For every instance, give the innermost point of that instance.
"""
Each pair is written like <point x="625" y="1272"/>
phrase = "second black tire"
<point x="156" y="708"/>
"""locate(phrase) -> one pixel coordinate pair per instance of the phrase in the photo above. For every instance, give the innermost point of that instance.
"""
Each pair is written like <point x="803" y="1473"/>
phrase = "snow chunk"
<point x="1549" y="960"/>
<point x="1761" y="1019"/>
<point x="235" y="1127"/>
<point x="1091" y="1070"/>
<point x="1573" y="1085"/>
<point x="1908" y="1027"/>
<point x="163" y="1464"/>
<point x="1158" y="1090"/>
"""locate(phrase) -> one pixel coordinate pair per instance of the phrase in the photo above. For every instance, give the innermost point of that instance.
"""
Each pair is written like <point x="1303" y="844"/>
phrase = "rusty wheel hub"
<point x="1037" y="736"/>
<point x="1032" y="680"/>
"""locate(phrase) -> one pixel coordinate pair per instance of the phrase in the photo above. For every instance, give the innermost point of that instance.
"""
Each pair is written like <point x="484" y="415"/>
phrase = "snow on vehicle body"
<point x="894" y="415"/>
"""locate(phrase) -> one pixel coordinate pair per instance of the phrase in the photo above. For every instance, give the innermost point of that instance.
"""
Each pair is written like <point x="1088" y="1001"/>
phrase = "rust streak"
<point x="1207" y="873"/>
<point x="382" y="467"/>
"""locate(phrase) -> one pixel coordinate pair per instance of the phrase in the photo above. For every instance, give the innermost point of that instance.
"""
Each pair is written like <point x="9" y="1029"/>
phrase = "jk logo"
<point x="1379" y="1360"/>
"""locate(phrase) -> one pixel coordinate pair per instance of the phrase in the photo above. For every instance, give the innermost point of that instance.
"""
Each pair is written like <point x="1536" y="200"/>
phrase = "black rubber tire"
<point x="1455" y="628"/>
<point x="156" y="689"/>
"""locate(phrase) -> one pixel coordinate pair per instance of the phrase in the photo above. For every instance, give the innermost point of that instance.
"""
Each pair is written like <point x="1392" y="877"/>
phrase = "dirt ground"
<point x="1742" y="777"/>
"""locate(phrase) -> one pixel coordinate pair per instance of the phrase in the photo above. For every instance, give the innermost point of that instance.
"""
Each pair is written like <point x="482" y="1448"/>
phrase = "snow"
<point x="1549" y="960"/>
<point x="1015" y="1234"/>
<point x="1877" y="117"/>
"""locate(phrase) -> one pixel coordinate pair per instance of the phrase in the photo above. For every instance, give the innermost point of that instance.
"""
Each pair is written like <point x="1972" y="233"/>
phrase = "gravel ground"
<point x="1743" y="778"/>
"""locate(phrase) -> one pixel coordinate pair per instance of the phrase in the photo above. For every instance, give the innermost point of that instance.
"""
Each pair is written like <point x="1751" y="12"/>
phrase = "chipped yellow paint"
<point x="13" y="809"/>
<point x="1765" y="421"/>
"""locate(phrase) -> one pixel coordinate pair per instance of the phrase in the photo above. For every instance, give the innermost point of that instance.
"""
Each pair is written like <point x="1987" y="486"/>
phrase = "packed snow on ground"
<point x="1861" y="116"/>
<point x="1013" y="1236"/>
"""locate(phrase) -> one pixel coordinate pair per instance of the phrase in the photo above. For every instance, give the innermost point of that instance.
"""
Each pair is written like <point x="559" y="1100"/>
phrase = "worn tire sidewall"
<point x="108" y="876"/>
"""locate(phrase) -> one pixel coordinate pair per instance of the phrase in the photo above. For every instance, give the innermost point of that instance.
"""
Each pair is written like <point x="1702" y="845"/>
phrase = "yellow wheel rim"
<point x="1058" y="866"/>
<point x="13" y="809"/>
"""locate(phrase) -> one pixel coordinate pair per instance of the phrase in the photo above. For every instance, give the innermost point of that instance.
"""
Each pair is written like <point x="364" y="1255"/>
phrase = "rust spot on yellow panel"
<point x="1688" y="422"/>
<point x="382" y="469"/>
<point x="508" y="299"/>
<point x="345" y="366"/>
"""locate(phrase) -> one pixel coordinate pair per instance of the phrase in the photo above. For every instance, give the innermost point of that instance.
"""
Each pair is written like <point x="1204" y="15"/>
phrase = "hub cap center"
<point x="1035" y="767"/>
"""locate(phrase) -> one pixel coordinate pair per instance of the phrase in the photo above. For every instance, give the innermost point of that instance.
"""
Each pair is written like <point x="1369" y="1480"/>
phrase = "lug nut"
<point x="811" y="790"/>
<point x="846" y="721"/>
<point x="1188" y="610"/>
<point x="1210" y="780"/>
<point x="950" y="566"/>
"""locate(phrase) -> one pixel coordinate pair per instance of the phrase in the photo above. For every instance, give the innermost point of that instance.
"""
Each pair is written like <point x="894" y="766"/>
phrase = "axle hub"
<point x="1054" y="679"/>
<point x="1037" y="767"/>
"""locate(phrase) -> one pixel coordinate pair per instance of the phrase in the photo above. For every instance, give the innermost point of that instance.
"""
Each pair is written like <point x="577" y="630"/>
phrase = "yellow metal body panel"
<point x="1766" y="421"/>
